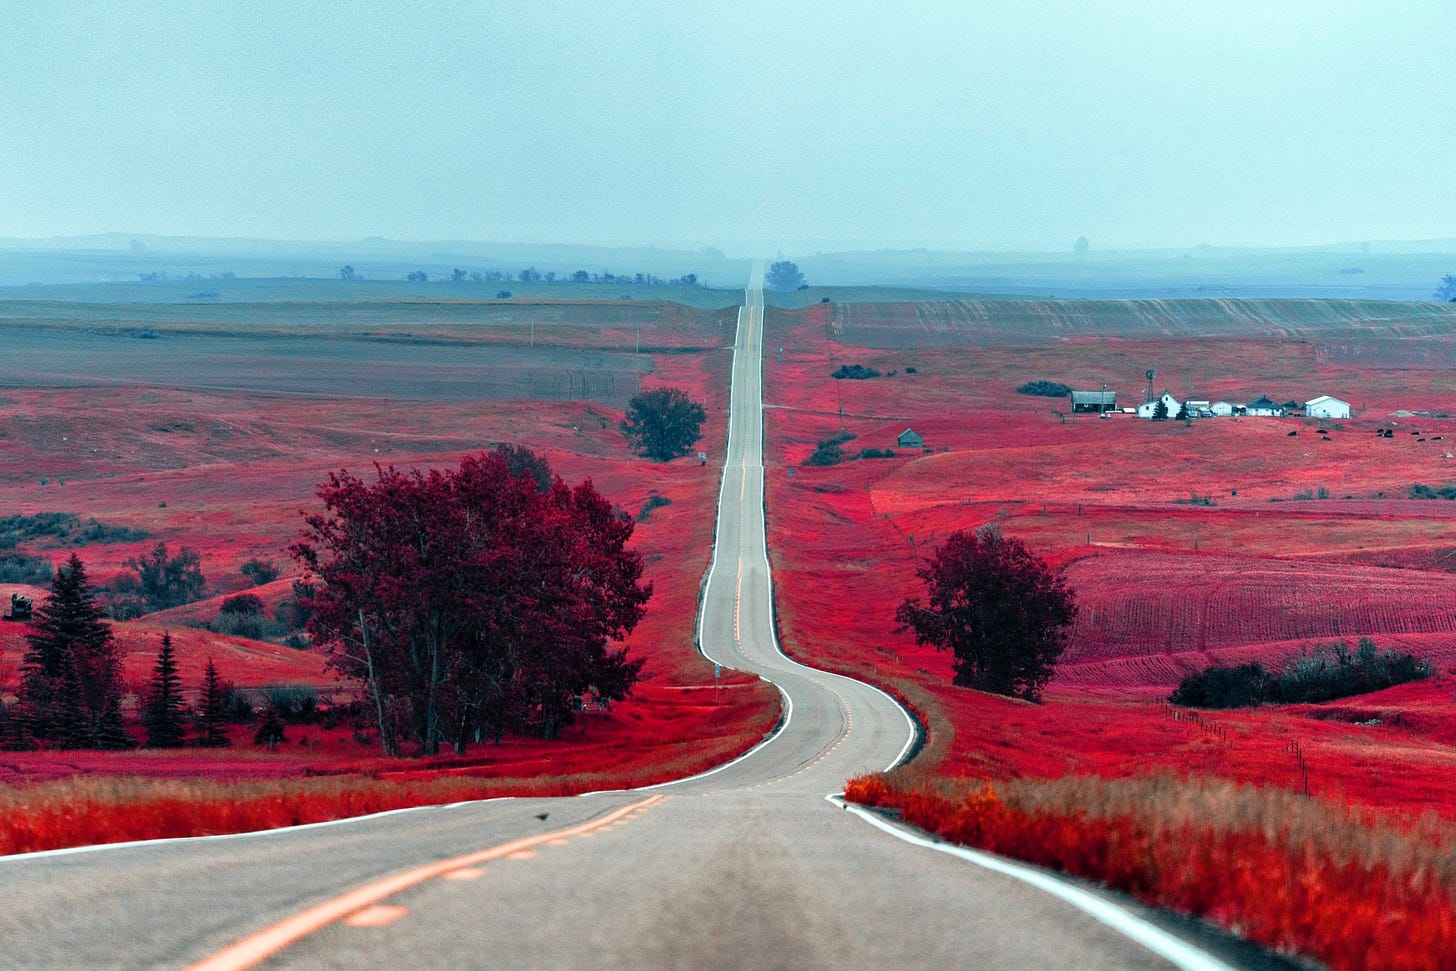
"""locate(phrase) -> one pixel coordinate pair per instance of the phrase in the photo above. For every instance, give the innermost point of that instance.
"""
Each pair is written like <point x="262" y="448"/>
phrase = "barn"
<point x="1326" y="406"/>
<point x="910" y="438"/>
<point x="1098" y="401"/>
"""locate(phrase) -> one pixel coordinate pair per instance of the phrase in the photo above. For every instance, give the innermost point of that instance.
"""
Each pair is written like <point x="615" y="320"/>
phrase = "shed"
<point x="1326" y="406"/>
<point x="1221" y="409"/>
<point x="910" y="438"/>
<point x="1098" y="401"/>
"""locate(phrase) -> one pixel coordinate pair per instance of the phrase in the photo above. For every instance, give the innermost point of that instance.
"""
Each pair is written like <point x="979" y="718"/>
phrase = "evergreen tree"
<point x="110" y="732"/>
<point x="163" y="716"/>
<point x="210" y="733"/>
<point x="70" y="685"/>
<point x="270" y="728"/>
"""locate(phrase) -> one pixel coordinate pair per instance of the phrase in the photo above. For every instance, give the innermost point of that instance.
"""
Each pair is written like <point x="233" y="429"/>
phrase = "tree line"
<point x="70" y="689"/>
<point x="532" y="275"/>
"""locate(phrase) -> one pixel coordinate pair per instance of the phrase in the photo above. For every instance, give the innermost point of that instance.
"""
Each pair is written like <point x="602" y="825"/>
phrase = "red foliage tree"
<point x="470" y="602"/>
<point x="1004" y="614"/>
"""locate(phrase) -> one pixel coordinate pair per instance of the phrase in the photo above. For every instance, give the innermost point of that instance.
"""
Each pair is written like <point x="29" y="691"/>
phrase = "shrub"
<point x="294" y="703"/>
<point x="237" y="705"/>
<point x="855" y="372"/>
<point x="168" y="581"/>
<point x="259" y="571"/>
<point x="24" y="568"/>
<point x="1324" y="673"/>
<point x="828" y="451"/>
<point x="65" y="528"/>
<point x="876" y="453"/>
<point x="1043" y="389"/>
<point x="292" y="613"/>
<point x="252" y="625"/>
<point x="242" y="603"/>
<point x="1419" y="491"/>
<point x="653" y="502"/>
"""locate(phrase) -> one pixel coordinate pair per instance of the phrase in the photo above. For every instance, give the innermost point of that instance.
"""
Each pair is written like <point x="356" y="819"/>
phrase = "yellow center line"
<point x="256" y="948"/>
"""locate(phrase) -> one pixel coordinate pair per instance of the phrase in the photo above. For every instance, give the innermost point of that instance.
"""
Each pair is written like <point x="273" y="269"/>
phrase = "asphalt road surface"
<point x="747" y="866"/>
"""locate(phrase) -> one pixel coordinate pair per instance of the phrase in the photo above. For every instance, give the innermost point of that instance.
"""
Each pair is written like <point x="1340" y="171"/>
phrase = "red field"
<point x="227" y="473"/>
<point x="1186" y="546"/>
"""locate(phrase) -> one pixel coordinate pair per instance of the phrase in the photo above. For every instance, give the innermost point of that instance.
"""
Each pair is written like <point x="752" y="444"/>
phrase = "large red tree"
<point x="470" y="602"/>
<point x="1003" y="613"/>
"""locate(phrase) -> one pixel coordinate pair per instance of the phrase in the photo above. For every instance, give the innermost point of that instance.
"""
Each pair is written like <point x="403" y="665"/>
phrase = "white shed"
<point x="1222" y="409"/>
<point x="1327" y="407"/>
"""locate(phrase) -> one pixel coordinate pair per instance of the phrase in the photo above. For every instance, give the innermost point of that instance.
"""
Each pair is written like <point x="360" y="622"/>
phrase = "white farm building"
<point x="1149" y="408"/>
<point x="1327" y="407"/>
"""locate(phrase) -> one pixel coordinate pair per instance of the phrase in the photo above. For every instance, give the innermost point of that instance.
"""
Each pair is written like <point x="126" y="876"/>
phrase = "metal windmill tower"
<point x="1151" y="374"/>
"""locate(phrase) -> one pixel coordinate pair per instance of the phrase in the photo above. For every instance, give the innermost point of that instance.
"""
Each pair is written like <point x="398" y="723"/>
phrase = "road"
<point x="746" y="866"/>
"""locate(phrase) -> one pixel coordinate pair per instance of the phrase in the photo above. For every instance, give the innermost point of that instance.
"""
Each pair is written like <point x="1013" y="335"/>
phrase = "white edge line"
<point x="778" y="730"/>
<point x="1168" y="946"/>
<point x="94" y="847"/>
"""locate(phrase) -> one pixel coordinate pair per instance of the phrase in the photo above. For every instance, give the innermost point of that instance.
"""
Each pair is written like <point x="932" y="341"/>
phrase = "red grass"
<point x="1165" y="588"/>
<point x="1290" y="877"/>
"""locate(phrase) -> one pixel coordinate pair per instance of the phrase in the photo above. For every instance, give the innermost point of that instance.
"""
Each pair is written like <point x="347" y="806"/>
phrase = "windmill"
<point x="1151" y="374"/>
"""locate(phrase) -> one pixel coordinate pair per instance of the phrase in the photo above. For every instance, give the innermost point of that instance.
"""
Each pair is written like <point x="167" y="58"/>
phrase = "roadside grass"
<point x="1352" y="888"/>
<point x="108" y="808"/>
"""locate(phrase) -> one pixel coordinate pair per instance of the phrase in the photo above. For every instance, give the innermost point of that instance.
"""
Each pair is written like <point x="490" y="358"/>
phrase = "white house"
<point x="1222" y="409"/>
<point x="1327" y="407"/>
<point x="1148" y="408"/>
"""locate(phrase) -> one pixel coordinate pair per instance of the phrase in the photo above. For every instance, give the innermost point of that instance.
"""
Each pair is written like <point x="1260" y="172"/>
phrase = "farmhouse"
<point x="1264" y="407"/>
<point x="910" y="438"/>
<point x="1098" y="401"/>
<point x="1149" y="408"/>
<point x="1327" y="407"/>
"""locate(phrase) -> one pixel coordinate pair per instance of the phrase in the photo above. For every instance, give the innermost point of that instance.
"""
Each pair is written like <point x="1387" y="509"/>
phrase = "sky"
<point x="752" y="126"/>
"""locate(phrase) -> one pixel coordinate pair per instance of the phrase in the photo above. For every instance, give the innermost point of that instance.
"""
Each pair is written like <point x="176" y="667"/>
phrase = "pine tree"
<point x="70" y="684"/>
<point x="110" y="732"/>
<point x="163" y="717"/>
<point x="270" y="728"/>
<point x="210" y="733"/>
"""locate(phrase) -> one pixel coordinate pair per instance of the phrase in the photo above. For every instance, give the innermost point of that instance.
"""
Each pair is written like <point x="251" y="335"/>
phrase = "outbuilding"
<point x="1326" y="406"/>
<point x="910" y="438"/>
<point x="1098" y="401"/>
<point x="1221" y="409"/>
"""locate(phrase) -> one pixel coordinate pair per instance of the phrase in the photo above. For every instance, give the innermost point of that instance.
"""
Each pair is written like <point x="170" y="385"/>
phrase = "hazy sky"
<point x="745" y="125"/>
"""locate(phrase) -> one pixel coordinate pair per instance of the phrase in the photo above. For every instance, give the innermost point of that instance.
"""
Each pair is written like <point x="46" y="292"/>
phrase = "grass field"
<point x="227" y="471"/>
<point x="1186" y="545"/>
